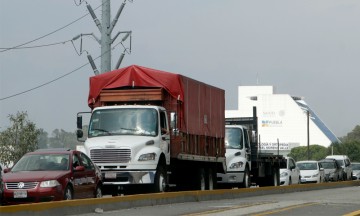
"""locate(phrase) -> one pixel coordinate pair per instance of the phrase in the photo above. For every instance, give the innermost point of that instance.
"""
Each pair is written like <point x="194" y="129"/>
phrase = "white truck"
<point x="156" y="129"/>
<point x="245" y="164"/>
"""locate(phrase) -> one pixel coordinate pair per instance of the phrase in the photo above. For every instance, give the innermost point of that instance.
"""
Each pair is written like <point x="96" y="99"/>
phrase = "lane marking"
<point x="285" y="209"/>
<point x="223" y="209"/>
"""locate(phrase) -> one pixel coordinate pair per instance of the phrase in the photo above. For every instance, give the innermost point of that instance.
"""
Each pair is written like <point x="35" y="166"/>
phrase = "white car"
<point x="356" y="170"/>
<point x="290" y="175"/>
<point x="311" y="171"/>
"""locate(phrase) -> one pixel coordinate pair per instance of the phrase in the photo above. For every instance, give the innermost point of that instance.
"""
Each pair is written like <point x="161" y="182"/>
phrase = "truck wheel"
<point x="211" y="179"/>
<point x="276" y="178"/>
<point x="200" y="182"/>
<point x="246" y="181"/>
<point x="160" y="180"/>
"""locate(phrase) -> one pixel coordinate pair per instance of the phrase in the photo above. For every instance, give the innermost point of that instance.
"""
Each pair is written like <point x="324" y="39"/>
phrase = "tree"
<point x="21" y="137"/>
<point x="63" y="139"/>
<point x="43" y="139"/>
<point x="317" y="152"/>
<point x="354" y="135"/>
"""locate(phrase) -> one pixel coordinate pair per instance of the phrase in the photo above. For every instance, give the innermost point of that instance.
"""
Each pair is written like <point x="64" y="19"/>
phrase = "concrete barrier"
<point x="82" y="206"/>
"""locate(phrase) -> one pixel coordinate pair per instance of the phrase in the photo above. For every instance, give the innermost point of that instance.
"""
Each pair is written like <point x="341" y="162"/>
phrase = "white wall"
<point x="280" y="119"/>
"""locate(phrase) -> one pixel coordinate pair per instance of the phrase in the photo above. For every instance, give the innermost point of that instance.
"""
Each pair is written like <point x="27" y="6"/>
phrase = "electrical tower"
<point x="106" y="28"/>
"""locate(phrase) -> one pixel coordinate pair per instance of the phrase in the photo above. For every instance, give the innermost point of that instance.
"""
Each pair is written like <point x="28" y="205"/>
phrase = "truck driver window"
<point x="233" y="138"/>
<point x="148" y="122"/>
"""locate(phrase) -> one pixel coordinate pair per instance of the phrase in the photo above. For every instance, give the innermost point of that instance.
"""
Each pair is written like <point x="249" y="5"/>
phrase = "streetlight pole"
<point x="308" y="134"/>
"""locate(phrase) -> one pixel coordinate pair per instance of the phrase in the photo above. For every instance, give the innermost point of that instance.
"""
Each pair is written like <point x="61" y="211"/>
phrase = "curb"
<point x="83" y="206"/>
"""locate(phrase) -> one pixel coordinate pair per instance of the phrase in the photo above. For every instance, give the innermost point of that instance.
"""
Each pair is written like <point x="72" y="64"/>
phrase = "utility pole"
<point x="105" y="37"/>
<point x="308" y="134"/>
<point x="106" y="27"/>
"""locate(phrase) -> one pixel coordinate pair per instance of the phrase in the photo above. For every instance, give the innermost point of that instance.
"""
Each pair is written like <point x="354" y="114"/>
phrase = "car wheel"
<point x="68" y="194"/>
<point x="290" y="182"/>
<point x="98" y="192"/>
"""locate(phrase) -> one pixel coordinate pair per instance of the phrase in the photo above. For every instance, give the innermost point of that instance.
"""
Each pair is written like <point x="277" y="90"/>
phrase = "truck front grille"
<point x="110" y="155"/>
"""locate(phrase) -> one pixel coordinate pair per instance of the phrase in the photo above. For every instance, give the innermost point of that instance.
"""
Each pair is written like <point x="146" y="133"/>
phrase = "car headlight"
<point x="49" y="184"/>
<point x="147" y="157"/>
<point x="315" y="175"/>
<point x="236" y="165"/>
<point x="284" y="174"/>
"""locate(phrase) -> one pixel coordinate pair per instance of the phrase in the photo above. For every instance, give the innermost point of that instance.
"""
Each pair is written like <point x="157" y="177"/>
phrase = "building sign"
<point x="274" y="146"/>
<point x="271" y="123"/>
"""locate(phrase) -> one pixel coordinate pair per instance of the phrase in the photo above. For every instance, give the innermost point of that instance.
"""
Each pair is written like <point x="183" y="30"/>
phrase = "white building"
<point x="282" y="119"/>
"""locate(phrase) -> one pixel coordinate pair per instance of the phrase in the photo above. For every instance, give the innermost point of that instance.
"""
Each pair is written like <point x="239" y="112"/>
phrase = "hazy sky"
<point x="308" y="48"/>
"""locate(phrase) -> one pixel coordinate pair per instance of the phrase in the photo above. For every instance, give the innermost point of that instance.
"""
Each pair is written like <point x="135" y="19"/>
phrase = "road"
<point x="338" y="201"/>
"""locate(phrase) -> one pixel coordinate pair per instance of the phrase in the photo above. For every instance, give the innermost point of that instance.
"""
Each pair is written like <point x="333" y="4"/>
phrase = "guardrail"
<point x="83" y="206"/>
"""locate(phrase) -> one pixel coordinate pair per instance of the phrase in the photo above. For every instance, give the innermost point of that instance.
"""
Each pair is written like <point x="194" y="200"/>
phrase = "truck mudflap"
<point x="128" y="177"/>
<point x="230" y="177"/>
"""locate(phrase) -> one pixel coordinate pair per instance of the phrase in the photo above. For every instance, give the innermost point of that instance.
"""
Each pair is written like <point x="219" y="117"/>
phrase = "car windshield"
<point x="355" y="166"/>
<point x="307" y="166"/>
<point x="233" y="138"/>
<point x="328" y="165"/>
<point x="42" y="162"/>
<point x="124" y="121"/>
<point x="340" y="162"/>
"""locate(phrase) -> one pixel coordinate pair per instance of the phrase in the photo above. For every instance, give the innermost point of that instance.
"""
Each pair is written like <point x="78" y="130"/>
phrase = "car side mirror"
<point x="6" y="170"/>
<point x="321" y="169"/>
<point x="80" y="168"/>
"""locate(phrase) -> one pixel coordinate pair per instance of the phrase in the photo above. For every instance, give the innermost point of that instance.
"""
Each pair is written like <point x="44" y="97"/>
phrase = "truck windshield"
<point x="124" y="121"/>
<point x="233" y="138"/>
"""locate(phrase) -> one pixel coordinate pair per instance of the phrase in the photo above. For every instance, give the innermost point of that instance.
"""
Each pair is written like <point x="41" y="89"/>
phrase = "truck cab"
<point x="128" y="142"/>
<point x="237" y="153"/>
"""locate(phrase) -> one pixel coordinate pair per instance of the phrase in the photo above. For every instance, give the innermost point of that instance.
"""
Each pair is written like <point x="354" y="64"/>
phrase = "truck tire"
<point x="160" y="180"/>
<point x="276" y="178"/>
<point x="211" y="179"/>
<point x="246" y="181"/>
<point x="200" y="183"/>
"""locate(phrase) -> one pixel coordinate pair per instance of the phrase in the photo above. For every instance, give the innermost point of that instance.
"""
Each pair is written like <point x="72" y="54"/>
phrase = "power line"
<point x="51" y="81"/>
<point x="44" y="84"/>
<point x="38" y="46"/>
<point x="20" y="45"/>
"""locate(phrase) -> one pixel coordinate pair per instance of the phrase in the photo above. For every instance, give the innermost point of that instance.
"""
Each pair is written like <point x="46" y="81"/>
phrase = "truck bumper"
<point x="128" y="177"/>
<point x="235" y="177"/>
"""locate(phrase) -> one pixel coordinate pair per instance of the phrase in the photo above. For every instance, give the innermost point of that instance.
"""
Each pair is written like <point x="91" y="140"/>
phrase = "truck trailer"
<point x="155" y="128"/>
<point x="246" y="164"/>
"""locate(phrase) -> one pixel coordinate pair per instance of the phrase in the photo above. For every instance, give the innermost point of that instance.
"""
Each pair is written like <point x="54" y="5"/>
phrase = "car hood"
<point x="283" y="170"/>
<point x="28" y="176"/>
<point x="308" y="172"/>
<point x="327" y="171"/>
<point x="355" y="172"/>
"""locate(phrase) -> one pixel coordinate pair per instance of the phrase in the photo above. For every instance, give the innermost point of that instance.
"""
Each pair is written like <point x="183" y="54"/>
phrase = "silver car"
<point x="333" y="171"/>
<point x="356" y="170"/>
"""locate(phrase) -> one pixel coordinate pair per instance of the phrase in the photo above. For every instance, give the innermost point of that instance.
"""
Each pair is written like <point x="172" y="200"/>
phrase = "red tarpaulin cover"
<point x="203" y="106"/>
<point x="137" y="76"/>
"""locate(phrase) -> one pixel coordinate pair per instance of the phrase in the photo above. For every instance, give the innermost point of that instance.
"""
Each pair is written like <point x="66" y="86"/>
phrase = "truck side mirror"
<point x="79" y="133"/>
<point x="173" y="122"/>
<point x="79" y="122"/>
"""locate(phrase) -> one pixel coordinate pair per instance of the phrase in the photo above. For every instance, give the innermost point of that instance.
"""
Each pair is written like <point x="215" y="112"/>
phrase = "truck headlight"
<point x="236" y="165"/>
<point x="49" y="184"/>
<point x="315" y="175"/>
<point x="147" y="157"/>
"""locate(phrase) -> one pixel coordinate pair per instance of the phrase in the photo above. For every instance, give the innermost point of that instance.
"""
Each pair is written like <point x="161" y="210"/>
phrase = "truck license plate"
<point x="110" y="175"/>
<point x="20" y="194"/>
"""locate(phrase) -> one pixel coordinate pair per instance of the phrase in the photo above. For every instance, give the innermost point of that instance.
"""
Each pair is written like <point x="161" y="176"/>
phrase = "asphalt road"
<point x="337" y="201"/>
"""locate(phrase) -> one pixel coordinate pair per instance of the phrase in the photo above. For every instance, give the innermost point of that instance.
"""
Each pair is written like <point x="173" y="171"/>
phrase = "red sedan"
<point x="51" y="175"/>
